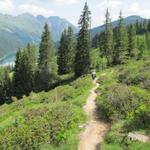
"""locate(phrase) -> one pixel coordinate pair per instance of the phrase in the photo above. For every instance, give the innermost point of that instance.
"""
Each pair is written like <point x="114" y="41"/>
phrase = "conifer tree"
<point x="95" y="41"/>
<point x="62" y="54"/>
<point x="47" y="63"/>
<point x="137" y="27"/>
<point x="148" y="40"/>
<point x="24" y="73"/>
<point x="142" y="46"/>
<point x="145" y="26"/>
<point x="148" y="26"/>
<point x="17" y="79"/>
<point x="108" y="44"/>
<point x="132" y="41"/>
<point x="71" y="50"/>
<point x="66" y="52"/>
<point x="102" y="43"/>
<point x="5" y="86"/>
<point x="82" y="57"/>
<point x="31" y="60"/>
<point x="121" y="42"/>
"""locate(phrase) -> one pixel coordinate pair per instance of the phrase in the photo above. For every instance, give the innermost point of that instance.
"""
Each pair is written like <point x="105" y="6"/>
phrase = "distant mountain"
<point x="17" y="31"/>
<point x="128" y="20"/>
<point x="8" y="60"/>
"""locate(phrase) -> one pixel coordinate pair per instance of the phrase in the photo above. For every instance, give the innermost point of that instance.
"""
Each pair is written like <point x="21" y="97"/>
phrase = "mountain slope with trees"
<point x="128" y="20"/>
<point x="18" y="30"/>
<point x="43" y="95"/>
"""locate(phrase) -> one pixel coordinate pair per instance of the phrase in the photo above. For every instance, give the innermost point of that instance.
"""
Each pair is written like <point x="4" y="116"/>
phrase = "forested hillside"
<point x="17" y="31"/>
<point x="43" y="96"/>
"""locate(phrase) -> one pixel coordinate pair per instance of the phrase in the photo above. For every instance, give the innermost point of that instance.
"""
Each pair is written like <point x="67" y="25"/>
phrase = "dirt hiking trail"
<point x="96" y="128"/>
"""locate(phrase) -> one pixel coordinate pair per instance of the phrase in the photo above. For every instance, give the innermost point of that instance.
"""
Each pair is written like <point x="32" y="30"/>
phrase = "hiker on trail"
<point x="93" y="74"/>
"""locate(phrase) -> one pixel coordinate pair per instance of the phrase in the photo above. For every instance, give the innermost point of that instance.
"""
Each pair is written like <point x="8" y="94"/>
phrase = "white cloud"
<point x="134" y="8"/>
<point x="35" y="10"/>
<point x="137" y="9"/>
<point x="67" y="1"/>
<point x="108" y="4"/>
<point x="114" y="7"/>
<point x="7" y="6"/>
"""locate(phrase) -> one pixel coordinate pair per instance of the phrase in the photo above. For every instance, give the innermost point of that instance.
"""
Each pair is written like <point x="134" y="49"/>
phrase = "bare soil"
<point x="96" y="128"/>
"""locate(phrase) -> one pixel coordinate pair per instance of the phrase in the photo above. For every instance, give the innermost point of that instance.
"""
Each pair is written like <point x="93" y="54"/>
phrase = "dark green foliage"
<point x="95" y="41"/>
<point x="82" y="56"/>
<point x="24" y="72"/>
<point x="148" y="26"/>
<point x="5" y="86"/>
<point x="102" y="43"/>
<point x="71" y="49"/>
<point x="142" y="46"/>
<point x="148" y="40"/>
<point x="62" y="52"/>
<point x="137" y="27"/>
<point x="132" y="51"/>
<point x="121" y="42"/>
<point x="66" y="52"/>
<point x="47" y="66"/>
<point x="145" y="25"/>
<point x="17" y="79"/>
<point x="142" y="27"/>
<point x="108" y="38"/>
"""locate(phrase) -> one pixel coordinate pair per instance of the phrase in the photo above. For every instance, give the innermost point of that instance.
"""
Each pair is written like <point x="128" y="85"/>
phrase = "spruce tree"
<point x="65" y="57"/>
<point x="31" y="66"/>
<point x="24" y="72"/>
<point x="95" y="41"/>
<point x="121" y="42"/>
<point x="145" y="26"/>
<point x="71" y="50"/>
<point x="132" y="41"/>
<point x="47" y="63"/>
<point x="148" y="26"/>
<point x="137" y="27"/>
<point x="82" y="56"/>
<point x="109" y="44"/>
<point x="5" y="86"/>
<point x="142" y="46"/>
<point x="17" y="79"/>
<point x="62" y="54"/>
<point x="102" y="43"/>
<point x="148" y="40"/>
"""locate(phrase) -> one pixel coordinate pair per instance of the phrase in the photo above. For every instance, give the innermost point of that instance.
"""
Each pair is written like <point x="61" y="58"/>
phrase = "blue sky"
<point x="71" y="9"/>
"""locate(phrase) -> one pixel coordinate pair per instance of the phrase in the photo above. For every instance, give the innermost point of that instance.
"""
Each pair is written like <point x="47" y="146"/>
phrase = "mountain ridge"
<point x="41" y="20"/>
<point x="128" y="20"/>
<point x="19" y="30"/>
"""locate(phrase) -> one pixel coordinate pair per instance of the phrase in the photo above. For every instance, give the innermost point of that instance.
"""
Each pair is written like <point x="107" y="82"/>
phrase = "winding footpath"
<point x="95" y="130"/>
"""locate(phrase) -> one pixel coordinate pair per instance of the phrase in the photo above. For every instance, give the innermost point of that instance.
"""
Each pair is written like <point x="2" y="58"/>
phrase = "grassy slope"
<point x="50" y="118"/>
<point x="114" y="138"/>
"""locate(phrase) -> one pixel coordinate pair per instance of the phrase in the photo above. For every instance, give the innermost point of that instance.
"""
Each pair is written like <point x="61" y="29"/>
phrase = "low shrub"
<point x="139" y="119"/>
<point x="136" y="75"/>
<point x="39" y="126"/>
<point x="119" y="101"/>
<point x="46" y="119"/>
<point x="116" y="102"/>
